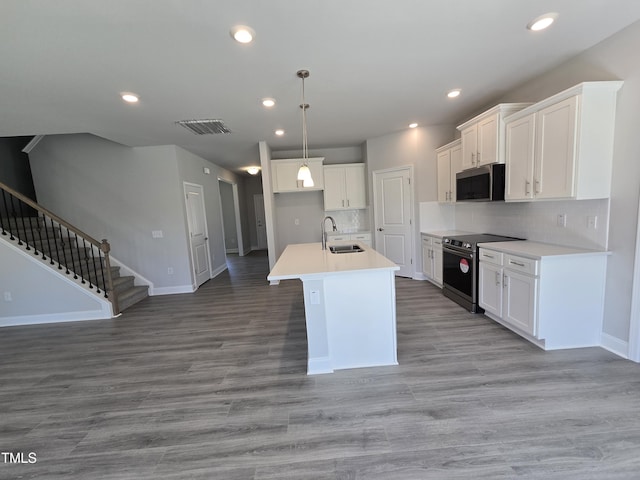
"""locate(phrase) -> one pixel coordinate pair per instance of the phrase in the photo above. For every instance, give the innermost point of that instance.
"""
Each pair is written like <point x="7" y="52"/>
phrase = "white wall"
<point x="40" y="295"/>
<point x="228" y="217"/>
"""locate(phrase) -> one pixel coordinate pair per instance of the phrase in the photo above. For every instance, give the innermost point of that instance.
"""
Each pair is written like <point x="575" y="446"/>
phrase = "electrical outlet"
<point x="562" y="220"/>
<point x="8" y="297"/>
<point x="296" y="221"/>
<point x="170" y="270"/>
<point x="592" y="222"/>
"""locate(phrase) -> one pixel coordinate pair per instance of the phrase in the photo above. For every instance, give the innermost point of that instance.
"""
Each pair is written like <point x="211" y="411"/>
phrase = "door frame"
<point x="633" y="348"/>
<point x="412" y="231"/>
<point x="194" y="282"/>
<point x="236" y="212"/>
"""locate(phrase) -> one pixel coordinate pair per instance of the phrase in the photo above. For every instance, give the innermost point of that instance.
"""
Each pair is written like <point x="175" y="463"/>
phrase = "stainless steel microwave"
<point x="483" y="184"/>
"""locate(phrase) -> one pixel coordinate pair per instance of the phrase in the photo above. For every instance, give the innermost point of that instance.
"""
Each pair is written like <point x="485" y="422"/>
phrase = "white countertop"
<point x="536" y="250"/>
<point x="447" y="233"/>
<point x="306" y="259"/>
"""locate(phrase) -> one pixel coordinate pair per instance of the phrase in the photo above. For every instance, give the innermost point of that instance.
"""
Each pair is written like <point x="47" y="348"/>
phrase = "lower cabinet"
<point x="554" y="301"/>
<point x="432" y="258"/>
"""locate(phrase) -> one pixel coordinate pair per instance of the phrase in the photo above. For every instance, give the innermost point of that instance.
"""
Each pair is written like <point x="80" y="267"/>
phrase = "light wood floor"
<point x="212" y="385"/>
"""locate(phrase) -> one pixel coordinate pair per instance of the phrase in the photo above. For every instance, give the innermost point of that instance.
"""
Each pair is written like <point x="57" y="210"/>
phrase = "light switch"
<point x="157" y="234"/>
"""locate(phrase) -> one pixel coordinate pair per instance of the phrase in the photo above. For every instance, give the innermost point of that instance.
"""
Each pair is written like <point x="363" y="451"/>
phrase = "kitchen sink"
<point x="345" y="248"/>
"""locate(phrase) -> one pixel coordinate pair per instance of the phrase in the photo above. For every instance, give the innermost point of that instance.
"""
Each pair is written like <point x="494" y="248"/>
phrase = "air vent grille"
<point x="204" y="127"/>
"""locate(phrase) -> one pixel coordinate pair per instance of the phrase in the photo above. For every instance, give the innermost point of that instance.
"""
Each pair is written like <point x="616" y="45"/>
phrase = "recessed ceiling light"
<point x="279" y="132"/>
<point x="253" y="170"/>
<point x="413" y="125"/>
<point x="542" y="22"/>
<point x="454" y="93"/>
<point x="268" y="102"/>
<point x="130" y="97"/>
<point x="242" y="34"/>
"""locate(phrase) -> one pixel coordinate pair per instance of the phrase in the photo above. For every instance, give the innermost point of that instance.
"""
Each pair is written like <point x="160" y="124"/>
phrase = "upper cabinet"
<point x="449" y="158"/>
<point x="285" y="175"/>
<point x="483" y="137"/>
<point x="562" y="147"/>
<point x="344" y="187"/>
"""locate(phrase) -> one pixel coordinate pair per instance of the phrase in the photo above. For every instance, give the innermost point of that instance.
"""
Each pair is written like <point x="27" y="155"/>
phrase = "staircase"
<point x="66" y="249"/>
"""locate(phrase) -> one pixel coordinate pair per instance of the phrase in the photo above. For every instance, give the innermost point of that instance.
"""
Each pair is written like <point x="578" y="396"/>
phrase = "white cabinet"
<point x="361" y="237"/>
<point x="483" y="137"/>
<point x="555" y="301"/>
<point x="562" y="147"/>
<point x="449" y="158"/>
<point x="285" y="175"/>
<point x="344" y="187"/>
<point x="432" y="258"/>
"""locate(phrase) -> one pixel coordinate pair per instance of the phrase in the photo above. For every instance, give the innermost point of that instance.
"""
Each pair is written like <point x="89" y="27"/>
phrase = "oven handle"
<point x="458" y="253"/>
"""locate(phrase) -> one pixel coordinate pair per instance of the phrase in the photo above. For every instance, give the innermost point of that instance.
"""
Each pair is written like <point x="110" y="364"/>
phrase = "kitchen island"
<point x="349" y="302"/>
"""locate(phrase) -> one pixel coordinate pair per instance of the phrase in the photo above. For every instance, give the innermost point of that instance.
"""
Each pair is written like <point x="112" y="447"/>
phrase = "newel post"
<point x="106" y="248"/>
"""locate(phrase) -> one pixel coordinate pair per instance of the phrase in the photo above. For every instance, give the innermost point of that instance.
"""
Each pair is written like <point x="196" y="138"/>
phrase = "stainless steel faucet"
<point x="324" y="232"/>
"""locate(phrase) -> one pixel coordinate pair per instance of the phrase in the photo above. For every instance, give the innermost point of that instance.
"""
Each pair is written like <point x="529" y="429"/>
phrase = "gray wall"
<point x="228" y="217"/>
<point x="613" y="59"/>
<point x="252" y="186"/>
<point x="15" y="170"/>
<point x="123" y="194"/>
<point x="414" y="147"/>
<point x="306" y="207"/>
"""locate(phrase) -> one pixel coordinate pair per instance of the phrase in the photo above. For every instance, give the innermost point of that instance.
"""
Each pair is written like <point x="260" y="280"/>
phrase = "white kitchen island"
<point x="349" y="302"/>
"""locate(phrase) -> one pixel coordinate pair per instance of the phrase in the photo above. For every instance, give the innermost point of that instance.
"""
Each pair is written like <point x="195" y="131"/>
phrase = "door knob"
<point x="380" y="229"/>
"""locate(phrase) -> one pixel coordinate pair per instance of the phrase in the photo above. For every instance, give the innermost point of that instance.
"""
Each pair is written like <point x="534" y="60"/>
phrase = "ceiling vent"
<point x="205" y="127"/>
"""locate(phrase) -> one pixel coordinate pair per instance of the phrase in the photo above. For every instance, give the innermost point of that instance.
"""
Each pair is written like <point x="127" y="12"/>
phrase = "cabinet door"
<point x="456" y="166"/>
<point x="519" y="158"/>
<point x="488" y="140"/>
<point x="520" y="302"/>
<point x="490" y="288"/>
<point x="444" y="176"/>
<point x="334" y="189"/>
<point x="355" y="188"/>
<point x="469" y="147"/>
<point x="436" y="262"/>
<point x="285" y="177"/>
<point x="426" y="257"/>
<point x="554" y="175"/>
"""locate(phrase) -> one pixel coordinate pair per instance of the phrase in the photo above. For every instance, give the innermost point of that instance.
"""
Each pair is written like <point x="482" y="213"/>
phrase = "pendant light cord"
<point x="305" y="148"/>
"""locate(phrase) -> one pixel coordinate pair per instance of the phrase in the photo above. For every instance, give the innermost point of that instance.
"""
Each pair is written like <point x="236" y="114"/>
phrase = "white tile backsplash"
<point x="538" y="221"/>
<point x="350" y="221"/>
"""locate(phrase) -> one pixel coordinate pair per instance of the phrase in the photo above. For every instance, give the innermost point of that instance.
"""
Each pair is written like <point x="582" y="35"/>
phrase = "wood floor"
<point x="213" y="385"/>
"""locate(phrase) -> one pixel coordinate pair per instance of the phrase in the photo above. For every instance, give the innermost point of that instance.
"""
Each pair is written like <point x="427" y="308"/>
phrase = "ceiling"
<point x="376" y="65"/>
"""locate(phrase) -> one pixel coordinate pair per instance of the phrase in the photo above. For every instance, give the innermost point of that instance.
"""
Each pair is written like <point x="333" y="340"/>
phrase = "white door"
<point x="261" y="228"/>
<point x="393" y="222"/>
<point x="198" y="237"/>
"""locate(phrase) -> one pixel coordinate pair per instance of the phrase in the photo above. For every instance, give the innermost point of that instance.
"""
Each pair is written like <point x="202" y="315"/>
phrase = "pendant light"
<point x="304" y="173"/>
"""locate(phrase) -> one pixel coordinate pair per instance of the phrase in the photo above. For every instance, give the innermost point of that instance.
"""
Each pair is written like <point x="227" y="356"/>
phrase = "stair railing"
<point x="46" y="235"/>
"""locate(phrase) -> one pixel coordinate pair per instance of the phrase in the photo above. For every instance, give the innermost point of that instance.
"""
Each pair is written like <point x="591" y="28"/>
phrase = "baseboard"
<point x="231" y="250"/>
<point x="419" y="276"/>
<point x="614" y="345"/>
<point x="170" y="290"/>
<point x="54" y="318"/>
<point x="219" y="270"/>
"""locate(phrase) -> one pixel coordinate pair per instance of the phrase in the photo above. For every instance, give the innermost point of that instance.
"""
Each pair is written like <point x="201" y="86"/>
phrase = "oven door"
<point x="459" y="278"/>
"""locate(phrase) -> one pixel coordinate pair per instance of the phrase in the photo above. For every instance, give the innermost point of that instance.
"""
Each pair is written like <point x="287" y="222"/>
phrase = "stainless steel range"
<point x="460" y="267"/>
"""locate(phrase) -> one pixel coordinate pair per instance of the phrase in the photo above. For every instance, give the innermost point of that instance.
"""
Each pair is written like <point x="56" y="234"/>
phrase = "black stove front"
<point x="460" y="267"/>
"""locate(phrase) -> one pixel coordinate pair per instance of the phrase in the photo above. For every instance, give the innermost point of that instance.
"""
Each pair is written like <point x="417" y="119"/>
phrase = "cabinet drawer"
<point x="426" y="240"/>
<point x="436" y="242"/>
<point x="521" y="264"/>
<point x="338" y="238"/>
<point x="364" y="237"/>
<point x="490" y="256"/>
